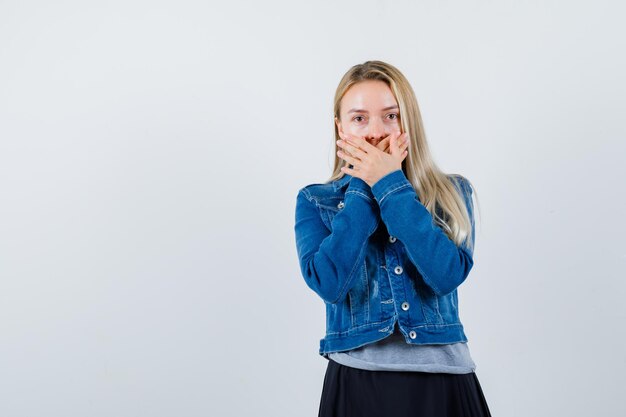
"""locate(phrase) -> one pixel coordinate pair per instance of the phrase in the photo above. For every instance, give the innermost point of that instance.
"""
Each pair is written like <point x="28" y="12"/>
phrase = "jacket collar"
<point x="340" y="182"/>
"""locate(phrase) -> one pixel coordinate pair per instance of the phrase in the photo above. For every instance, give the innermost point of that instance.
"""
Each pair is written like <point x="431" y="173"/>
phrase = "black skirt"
<point x="353" y="392"/>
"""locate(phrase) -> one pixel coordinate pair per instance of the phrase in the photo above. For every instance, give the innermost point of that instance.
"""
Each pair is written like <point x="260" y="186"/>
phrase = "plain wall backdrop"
<point x="150" y="157"/>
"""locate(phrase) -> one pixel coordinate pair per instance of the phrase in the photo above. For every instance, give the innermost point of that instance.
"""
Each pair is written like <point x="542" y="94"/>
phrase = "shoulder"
<point x="461" y="183"/>
<point x="315" y="192"/>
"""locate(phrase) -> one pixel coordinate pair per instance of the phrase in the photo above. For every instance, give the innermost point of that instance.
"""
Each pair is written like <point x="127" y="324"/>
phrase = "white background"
<point x="150" y="156"/>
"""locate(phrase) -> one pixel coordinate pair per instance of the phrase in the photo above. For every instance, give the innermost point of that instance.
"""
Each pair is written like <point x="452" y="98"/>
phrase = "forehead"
<point x="371" y="95"/>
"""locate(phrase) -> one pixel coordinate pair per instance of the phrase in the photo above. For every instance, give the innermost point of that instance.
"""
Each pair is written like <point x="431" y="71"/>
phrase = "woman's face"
<point x="369" y="111"/>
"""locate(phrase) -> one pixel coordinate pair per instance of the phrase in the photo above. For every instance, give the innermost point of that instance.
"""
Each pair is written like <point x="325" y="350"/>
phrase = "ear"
<point x="338" y="123"/>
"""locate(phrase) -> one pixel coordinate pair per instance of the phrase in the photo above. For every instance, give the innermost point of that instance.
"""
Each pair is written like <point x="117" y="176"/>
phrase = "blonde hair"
<point x="434" y="188"/>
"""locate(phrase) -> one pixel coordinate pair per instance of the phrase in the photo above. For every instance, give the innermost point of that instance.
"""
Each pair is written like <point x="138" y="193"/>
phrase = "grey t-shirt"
<point x="394" y="354"/>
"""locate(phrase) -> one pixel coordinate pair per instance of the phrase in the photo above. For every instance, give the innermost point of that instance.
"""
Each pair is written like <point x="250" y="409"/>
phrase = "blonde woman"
<point x="385" y="243"/>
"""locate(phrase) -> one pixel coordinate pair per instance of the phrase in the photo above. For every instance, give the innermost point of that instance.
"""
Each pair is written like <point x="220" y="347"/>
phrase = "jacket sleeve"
<point x="442" y="264"/>
<point x="330" y="261"/>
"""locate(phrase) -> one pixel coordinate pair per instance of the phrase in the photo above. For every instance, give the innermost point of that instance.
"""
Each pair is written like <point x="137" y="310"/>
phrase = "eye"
<point x="394" y="114"/>
<point x="356" y="117"/>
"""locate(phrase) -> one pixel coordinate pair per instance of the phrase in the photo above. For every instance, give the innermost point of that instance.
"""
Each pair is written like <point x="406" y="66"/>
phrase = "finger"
<point x="405" y="142"/>
<point x="345" y="138"/>
<point x="343" y="142"/>
<point x="383" y="144"/>
<point x="395" y="144"/>
<point x="362" y="144"/>
<point x="398" y="138"/>
<point x="350" y="171"/>
<point x="349" y="138"/>
<point x="348" y="158"/>
<point x="353" y="146"/>
<point x="405" y="146"/>
<point x="388" y="142"/>
<point x="348" y="149"/>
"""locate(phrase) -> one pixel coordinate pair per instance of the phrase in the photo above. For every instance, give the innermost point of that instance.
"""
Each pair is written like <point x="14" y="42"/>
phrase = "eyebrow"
<point x="365" y="111"/>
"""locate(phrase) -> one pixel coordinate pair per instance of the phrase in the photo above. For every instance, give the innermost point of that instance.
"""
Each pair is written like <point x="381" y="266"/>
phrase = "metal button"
<point x="405" y="306"/>
<point x="412" y="334"/>
<point x="398" y="270"/>
<point x="340" y="205"/>
<point x="392" y="239"/>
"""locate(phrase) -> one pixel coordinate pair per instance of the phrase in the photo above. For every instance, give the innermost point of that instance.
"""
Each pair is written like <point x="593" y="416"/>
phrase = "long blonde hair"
<point x="434" y="188"/>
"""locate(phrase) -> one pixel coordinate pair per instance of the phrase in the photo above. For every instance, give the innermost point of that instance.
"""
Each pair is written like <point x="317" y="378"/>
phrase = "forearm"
<point x="442" y="264"/>
<point x="330" y="260"/>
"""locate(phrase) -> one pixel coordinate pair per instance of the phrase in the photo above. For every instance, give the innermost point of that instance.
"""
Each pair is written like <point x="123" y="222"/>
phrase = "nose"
<point x="376" y="129"/>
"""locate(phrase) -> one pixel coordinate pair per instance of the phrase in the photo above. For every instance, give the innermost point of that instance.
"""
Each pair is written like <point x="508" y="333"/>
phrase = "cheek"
<point x="353" y="130"/>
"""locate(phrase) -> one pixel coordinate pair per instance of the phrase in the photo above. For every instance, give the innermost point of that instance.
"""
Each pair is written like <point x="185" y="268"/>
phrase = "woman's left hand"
<point x="368" y="161"/>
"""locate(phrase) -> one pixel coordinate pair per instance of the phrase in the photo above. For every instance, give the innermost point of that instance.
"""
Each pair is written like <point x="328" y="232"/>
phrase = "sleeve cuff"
<point x="390" y="183"/>
<point x="360" y="185"/>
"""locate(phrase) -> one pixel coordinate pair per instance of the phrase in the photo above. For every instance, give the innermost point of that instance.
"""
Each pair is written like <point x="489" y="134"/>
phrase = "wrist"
<point x="357" y="183"/>
<point x="390" y="183"/>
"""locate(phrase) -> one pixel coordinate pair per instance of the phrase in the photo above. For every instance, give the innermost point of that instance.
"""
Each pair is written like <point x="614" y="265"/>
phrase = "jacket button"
<point x="405" y="306"/>
<point x="392" y="239"/>
<point x="412" y="334"/>
<point x="340" y="205"/>
<point x="398" y="270"/>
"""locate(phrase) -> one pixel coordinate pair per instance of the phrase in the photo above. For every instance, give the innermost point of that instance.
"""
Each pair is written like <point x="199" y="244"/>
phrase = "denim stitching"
<point x="345" y="284"/>
<point x="307" y="194"/>
<point x="434" y="325"/>
<point x="351" y="309"/>
<point x="437" y="308"/>
<point x="359" y="193"/>
<point x="393" y="190"/>
<point x="367" y="288"/>
<point x="457" y="324"/>
<point x="358" y="327"/>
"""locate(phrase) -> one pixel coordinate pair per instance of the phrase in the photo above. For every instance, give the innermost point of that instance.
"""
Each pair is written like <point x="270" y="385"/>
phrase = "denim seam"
<point x="358" y="327"/>
<point x="434" y="325"/>
<point x="367" y="287"/>
<point x="359" y="193"/>
<point x="457" y="324"/>
<point x="308" y="196"/>
<point x="437" y="309"/>
<point x="425" y="276"/>
<point x="345" y="284"/>
<point x="389" y="191"/>
<point x="351" y="309"/>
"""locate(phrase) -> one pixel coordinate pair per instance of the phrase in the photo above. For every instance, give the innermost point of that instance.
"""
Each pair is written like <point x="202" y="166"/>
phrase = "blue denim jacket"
<point x="372" y="273"/>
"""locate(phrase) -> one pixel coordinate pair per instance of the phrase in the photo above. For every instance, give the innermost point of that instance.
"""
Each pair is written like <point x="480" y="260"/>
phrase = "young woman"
<point x="385" y="243"/>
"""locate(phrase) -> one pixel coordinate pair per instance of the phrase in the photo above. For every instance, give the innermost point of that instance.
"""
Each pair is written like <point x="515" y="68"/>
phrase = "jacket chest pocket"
<point x="329" y="209"/>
